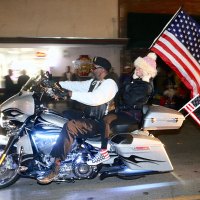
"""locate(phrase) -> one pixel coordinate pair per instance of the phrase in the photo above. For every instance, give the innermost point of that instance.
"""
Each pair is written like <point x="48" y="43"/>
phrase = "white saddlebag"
<point x="140" y="152"/>
<point x="162" y="118"/>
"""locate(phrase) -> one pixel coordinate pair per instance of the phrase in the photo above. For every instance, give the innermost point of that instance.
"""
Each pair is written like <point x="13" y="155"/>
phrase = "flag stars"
<point x="184" y="29"/>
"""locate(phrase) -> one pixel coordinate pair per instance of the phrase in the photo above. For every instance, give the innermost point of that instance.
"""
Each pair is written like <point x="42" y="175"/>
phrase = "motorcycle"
<point x="32" y="129"/>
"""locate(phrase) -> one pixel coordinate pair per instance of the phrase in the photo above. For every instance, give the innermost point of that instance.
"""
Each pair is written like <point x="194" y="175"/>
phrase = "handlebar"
<point x="53" y="88"/>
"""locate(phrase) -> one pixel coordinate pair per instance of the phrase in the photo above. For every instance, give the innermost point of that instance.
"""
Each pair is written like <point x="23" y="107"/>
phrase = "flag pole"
<point x="166" y="26"/>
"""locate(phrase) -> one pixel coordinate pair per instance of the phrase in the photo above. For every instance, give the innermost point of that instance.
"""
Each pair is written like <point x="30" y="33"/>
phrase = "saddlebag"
<point x="140" y="152"/>
<point x="162" y="118"/>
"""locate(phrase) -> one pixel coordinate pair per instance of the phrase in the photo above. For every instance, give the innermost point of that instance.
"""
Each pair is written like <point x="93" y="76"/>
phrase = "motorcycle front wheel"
<point x="8" y="170"/>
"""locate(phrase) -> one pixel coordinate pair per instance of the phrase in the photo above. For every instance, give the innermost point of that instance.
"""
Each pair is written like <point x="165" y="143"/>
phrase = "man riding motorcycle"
<point x="96" y="93"/>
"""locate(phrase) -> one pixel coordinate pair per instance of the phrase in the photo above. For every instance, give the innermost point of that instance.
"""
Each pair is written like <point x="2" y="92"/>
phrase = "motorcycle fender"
<point x="3" y="139"/>
<point x="25" y="143"/>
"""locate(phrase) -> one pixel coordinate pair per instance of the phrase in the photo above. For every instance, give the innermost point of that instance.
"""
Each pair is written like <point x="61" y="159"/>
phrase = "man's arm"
<point x="76" y="85"/>
<point x="100" y="95"/>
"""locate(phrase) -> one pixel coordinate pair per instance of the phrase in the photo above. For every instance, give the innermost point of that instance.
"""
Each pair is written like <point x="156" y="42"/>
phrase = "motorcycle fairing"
<point x="22" y="102"/>
<point x="15" y="114"/>
<point x="24" y="143"/>
<point x="4" y="139"/>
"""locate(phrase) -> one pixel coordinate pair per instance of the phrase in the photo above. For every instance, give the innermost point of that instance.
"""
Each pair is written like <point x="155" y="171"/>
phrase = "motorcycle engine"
<point x="77" y="168"/>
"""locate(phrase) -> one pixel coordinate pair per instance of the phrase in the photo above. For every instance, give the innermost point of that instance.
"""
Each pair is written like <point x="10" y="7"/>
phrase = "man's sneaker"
<point x="100" y="157"/>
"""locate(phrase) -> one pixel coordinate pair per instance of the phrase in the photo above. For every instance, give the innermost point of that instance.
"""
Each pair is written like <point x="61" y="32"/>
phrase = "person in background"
<point x="10" y="86"/>
<point x="67" y="76"/>
<point x="182" y="96"/>
<point x="96" y="94"/>
<point x="169" y="81"/>
<point x="125" y="75"/>
<point x="113" y="75"/>
<point x="75" y="76"/>
<point x="23" y="78"/>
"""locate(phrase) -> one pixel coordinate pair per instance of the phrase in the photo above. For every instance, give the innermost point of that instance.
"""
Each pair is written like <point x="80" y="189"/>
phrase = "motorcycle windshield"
<point x="31" y="84"/>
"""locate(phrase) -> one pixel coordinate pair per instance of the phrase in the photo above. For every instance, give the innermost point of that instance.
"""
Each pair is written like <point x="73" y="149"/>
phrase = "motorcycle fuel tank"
<point x="46" y="130"/>
<point x="51" y="117"/>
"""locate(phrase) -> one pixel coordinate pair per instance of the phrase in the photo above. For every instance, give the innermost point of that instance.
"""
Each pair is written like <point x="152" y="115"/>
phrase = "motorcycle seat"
<point x="116" y="129"/>
<point x="123" y="127"/>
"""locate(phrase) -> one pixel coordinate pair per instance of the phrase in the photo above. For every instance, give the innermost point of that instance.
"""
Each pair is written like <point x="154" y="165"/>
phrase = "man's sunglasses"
<point x="95" y="67"/>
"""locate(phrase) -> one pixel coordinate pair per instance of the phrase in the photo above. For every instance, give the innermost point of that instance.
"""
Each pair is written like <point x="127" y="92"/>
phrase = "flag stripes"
<point x="180" y="60"/>
<point x="179" y="46"/>
<point x="191" y="106"/>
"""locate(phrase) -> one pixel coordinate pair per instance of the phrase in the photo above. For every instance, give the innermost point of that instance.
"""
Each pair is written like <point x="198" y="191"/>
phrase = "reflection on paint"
<point x="142" y="187"/>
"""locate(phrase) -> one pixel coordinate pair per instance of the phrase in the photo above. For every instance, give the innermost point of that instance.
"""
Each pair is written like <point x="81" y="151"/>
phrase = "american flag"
<point x="191" y="106"/>
<point x="179" y="46"/>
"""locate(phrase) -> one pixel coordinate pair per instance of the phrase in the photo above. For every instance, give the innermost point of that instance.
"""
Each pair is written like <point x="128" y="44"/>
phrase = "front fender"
<point x="3" y="139"/>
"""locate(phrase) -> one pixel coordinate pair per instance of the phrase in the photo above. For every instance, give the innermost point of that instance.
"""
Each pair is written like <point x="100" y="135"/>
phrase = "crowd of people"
<point x="11" y="87"/>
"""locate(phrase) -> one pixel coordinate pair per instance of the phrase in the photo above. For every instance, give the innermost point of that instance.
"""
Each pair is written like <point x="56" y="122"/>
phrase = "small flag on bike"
<point x="190" y="108"/>
<point x="178" y="45"/>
